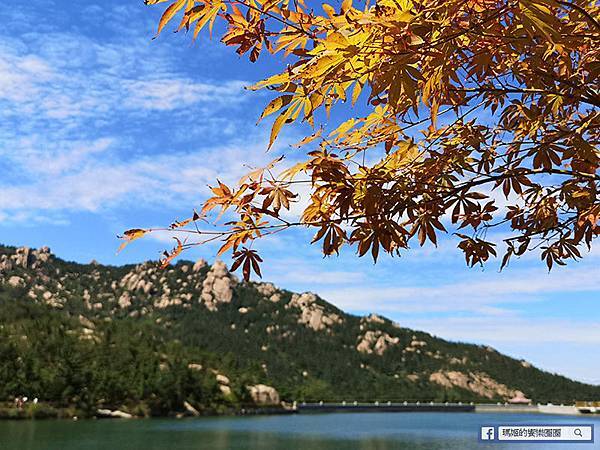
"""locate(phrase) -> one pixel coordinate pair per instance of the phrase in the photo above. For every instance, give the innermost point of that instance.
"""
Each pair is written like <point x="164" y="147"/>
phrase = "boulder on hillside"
<point x="190" y="409"/>
<point x="22" y="257"/>
<point x="312" y="314"/>
<point x="26" y="258"/>
<point x="199" y="265"/>
<point x="222" y="379"/>
<point x="268" y="291"/>
<point x="520" y="399"/>
<point x="375" y="342"/>
<point x="478" y="382"/>
<point x="373" y="318"/>
<point x="15" y="281"/>
<point x="263" y="394"/>
<point x="217" y="287"/>
<point x="116" y="414"/>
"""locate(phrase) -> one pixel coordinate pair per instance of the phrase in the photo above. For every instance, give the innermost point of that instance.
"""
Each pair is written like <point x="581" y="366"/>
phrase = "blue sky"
<point x="103" y="129"/>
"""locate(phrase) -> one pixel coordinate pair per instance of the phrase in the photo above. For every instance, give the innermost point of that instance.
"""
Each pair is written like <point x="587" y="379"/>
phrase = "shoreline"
<point x="44" y="411"/>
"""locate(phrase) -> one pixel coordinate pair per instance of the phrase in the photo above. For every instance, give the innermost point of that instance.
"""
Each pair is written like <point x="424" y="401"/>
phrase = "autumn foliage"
<point x="480" y="115"/>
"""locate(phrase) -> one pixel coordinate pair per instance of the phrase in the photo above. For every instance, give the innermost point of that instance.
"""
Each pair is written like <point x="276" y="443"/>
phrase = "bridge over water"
<point x="355" y="406"/>
<point x="322" y="407"/>
<point x="326" y="407"/>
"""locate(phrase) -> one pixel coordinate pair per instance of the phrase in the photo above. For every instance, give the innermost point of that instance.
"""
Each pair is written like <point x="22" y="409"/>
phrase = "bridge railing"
<point x="382" y="403"/>
<point x="383" y="406"/>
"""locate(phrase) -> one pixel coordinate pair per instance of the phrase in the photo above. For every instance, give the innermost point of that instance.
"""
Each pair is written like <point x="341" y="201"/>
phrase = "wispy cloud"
<point x="64" y="77"/>
<point x="511" y="329"/>
<point x="94" y="176"/>
<point x="296" y="271"/>
<point x="169" y="94"/>
<point x="489" y="296"/>
<point x="34" y="156"/>
<point x="88" y="123"/>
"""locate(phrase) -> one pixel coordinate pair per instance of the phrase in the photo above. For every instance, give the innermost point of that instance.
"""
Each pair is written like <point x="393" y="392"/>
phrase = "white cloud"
<point x="472" y="295"/>
<point x="85" y="181"/>
<point x="169" y="94"/>
<point x="511" y="328"/>
<point x="20" y="76"/>
<point x="55" y="80"/>
<point x="286" y="272"/>
<point x="37" y="157"/>
<point x="73" y="107"/>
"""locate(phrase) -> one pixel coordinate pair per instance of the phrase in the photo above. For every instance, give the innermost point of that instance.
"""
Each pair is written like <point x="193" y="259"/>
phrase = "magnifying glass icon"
<point x="577" y="432"/>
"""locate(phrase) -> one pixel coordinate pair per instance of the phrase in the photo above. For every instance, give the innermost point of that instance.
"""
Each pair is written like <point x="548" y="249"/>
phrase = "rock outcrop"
<point x="223" y="381"/>
<point x="15" y="281"/>
<point x="477" y="382"/>
<point x="199" y="265"/>
<point x="124" y="300"/>
<point x="312" y="314"/>
<point x="139" y="279"/>
<point x="217" y="287"/>
<point x="375" y="342"/>
<point x="116" y="414"/>
<point x="264" y="395"/>
<point x="415" y="345"/>
<point x="25" y="258"/>
<point x="268" y="291"/>
<point x="6" y="264"/>
<point x="519" y="399"/>
<point x="190" y="409"/>
<point x="373" y="318"/>
<point x="22" y="257"/>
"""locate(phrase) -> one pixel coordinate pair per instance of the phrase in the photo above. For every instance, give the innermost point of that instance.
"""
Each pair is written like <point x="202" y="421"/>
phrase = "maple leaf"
<point x="131" y="235"/>
<point x="248" y="260"/>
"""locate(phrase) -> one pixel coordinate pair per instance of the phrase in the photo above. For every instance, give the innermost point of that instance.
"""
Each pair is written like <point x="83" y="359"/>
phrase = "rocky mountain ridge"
<point x="298" y="343"/>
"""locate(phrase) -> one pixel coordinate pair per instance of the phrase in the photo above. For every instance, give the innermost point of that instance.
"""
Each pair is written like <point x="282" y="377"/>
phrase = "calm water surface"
<point x="364" y="431"/>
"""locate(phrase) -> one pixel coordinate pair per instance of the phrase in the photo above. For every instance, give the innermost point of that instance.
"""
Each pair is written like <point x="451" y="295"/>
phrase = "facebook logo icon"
<point x="488" y="433"/>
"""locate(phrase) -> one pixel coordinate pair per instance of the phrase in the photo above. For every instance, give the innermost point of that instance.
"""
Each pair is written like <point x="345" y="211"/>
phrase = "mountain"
<point x="192" y="336"/>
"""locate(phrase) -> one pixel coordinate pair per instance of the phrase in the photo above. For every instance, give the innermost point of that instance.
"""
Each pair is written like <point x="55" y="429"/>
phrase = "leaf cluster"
<point x="479" y="114"/>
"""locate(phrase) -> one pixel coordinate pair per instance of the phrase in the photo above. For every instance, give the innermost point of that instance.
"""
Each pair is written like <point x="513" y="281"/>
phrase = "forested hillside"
<point x="148" y="341"/>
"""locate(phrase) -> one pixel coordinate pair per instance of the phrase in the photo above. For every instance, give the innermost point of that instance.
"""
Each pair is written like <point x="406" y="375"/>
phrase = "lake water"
<point x="364" y="431"/>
